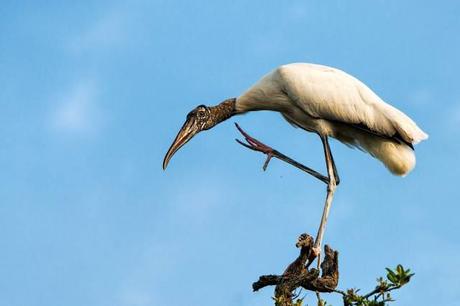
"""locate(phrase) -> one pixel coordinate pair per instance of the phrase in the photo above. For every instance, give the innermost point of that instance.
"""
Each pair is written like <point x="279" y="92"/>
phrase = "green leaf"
<point x="392" y="277"/>
<point x="400" y="270"/>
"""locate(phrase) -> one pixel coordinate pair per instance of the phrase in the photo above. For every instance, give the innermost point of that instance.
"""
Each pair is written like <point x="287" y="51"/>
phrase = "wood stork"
<point x="328" y="102"/>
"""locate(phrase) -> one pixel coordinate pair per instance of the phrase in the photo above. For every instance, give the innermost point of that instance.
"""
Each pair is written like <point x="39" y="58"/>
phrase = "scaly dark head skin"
<point x="200" y="119"/>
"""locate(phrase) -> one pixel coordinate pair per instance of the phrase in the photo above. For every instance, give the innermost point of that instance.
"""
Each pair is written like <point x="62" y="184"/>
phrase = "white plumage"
<point x="333" y="103"/>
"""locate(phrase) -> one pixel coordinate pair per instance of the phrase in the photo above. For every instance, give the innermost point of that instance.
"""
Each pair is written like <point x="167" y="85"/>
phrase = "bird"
<point x="322" y="100"/>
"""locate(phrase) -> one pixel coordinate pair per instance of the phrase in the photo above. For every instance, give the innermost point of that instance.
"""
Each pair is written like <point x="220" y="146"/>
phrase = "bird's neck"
<point x="223" y="110"/>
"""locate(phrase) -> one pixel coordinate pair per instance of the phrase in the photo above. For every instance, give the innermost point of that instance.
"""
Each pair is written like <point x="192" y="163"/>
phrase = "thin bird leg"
<point x="336" y="174"/>
<point x="258" y="146"/>
<point x="316" y="250"/>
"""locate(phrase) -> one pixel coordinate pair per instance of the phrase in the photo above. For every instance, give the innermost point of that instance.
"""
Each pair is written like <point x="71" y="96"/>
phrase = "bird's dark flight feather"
<point x="396" y="137"/>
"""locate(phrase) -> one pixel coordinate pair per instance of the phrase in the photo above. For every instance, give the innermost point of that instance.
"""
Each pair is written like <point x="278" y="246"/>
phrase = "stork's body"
<point x="328" y="102"/>
<point x="332" y="103"/>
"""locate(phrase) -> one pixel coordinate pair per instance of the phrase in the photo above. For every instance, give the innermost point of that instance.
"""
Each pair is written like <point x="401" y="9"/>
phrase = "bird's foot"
<point x="315" y="253"/>
<point x="256" y="145"/>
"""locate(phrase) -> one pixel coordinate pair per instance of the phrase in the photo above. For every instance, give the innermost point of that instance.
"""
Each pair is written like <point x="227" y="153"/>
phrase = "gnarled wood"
<point x="298" y="275"/>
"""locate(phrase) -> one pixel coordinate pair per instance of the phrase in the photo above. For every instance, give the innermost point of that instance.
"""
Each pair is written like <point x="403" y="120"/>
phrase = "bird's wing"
<point x="331" y="94"/>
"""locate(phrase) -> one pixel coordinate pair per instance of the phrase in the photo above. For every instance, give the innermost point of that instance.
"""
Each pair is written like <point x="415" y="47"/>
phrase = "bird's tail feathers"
<point x="399" y="158"/>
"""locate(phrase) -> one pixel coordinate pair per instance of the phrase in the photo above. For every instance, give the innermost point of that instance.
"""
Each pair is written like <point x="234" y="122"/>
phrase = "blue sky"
<point x="93" y="93"/>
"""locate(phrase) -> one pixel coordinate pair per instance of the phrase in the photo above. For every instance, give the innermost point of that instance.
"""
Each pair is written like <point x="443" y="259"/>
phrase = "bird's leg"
<point x="256" y="145"/>
<point x="333" y="181"/>
<point x="336" y="174"/>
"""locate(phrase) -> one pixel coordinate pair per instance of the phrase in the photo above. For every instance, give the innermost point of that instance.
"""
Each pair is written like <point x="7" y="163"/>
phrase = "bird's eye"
<point x="201" y="114"/>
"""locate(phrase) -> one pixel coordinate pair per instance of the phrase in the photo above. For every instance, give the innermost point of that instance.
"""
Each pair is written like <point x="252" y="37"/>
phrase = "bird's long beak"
<point x="188" y="130"/>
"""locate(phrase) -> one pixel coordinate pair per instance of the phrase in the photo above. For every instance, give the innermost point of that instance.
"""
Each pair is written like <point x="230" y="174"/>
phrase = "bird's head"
<point x="201" y="118"/>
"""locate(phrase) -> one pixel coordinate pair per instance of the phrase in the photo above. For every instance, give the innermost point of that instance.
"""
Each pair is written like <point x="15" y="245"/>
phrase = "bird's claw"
<point x="255" y="145"/>
<point x="315" y="252"/>
<point x="269" y="157"/>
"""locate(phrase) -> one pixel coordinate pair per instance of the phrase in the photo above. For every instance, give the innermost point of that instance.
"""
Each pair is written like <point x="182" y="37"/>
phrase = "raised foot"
<point x="256" y="145"/>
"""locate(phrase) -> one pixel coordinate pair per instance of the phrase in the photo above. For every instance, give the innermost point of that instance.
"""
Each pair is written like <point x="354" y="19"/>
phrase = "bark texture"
<point x="298" y="275"/>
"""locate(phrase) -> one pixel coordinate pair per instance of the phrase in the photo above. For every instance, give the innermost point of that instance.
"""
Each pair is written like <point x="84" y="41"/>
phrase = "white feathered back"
<point x="328" y="93"/>
<point x="331" y="102"/>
